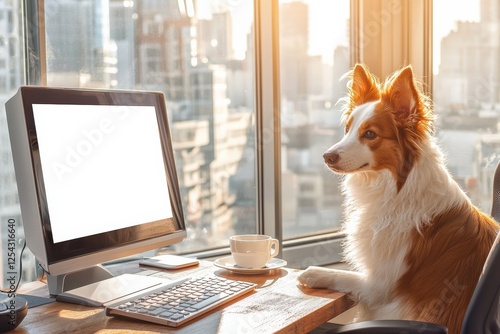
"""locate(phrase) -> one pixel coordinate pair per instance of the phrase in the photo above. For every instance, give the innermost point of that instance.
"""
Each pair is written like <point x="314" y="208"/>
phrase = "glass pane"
<point x="314" y="54"/>
<point x="11" y="77"/>
<point x="199" y="55"/>
<point x="466" y="92"/>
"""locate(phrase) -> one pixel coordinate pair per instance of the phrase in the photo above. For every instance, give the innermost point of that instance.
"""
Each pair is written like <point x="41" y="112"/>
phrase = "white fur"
<point x="378" y="225"/>
<point x="353" y="154"/>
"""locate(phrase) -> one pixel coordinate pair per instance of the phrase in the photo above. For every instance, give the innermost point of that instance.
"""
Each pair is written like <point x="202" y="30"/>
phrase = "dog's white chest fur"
<point x="378" y="226"/>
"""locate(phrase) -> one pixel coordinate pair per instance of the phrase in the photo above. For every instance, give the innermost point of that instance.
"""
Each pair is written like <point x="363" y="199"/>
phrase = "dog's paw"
<point x="316" y="277"/>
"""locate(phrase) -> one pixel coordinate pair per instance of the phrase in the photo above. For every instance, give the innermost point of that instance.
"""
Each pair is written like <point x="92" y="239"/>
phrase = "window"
<point x="466" y="92"/>
<point x="196" y="52"/>
<point x="249" y="129"/>
<point x="190" y="51"/>
<point x="11" y="76"/>
<point x="314" y="54"/>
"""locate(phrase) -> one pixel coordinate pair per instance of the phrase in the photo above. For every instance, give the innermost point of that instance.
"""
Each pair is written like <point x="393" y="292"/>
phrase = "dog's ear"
<point x="403" y="94"/>
<point x="412" y="112"/>
<point x="363" y="86"/>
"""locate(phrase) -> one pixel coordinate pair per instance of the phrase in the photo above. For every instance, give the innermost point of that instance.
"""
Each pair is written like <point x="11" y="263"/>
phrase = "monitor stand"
<point x="60" y="283"/>
<point x="96" y="286"/>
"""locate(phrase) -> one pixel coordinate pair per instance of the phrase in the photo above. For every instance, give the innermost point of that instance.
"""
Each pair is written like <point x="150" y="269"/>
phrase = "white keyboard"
<point x="183" y="301"/>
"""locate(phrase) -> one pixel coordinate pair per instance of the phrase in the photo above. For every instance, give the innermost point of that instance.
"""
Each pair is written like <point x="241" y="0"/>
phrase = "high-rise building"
<point x="82" y="56"/>
<point x="294" y="44"/>
<point x="189" y="59"/>
<point x="122" y="42"/>
<point x="215" y="38"/>
<point x="469" y="72"/>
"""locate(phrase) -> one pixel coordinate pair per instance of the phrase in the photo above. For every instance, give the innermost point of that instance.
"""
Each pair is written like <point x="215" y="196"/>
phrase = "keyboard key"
<point x="208" y="301"/>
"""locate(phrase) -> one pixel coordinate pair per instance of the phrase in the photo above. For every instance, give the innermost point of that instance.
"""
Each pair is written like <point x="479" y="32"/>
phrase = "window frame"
<point x="378" y="27"/>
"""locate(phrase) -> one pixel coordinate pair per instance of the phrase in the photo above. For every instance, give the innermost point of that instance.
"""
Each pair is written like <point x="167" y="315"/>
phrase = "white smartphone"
<point x="169" y="262"/>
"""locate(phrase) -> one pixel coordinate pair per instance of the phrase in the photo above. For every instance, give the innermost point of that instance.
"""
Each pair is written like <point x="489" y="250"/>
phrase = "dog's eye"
<point x="370" y="135"/>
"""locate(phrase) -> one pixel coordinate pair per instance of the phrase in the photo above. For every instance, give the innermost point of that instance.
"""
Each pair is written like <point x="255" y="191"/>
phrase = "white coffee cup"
<point x="253" y="250"/>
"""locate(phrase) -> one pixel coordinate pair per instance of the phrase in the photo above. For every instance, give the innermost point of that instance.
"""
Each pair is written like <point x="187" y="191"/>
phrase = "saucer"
<point x="228" y="263"/>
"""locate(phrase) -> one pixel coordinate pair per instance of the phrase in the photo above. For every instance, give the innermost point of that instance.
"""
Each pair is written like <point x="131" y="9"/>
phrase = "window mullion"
<point x="34" y="39"/>
<point x="268" y="118"/>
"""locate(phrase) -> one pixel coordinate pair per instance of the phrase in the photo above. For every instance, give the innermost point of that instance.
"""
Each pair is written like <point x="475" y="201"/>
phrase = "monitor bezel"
<point x="102" y="242"/>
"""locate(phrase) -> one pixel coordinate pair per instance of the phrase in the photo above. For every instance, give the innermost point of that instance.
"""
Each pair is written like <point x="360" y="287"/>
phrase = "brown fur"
<point x="396" y="119"/>
<point x="443" y="255"/>
<point x="444" y="264"/>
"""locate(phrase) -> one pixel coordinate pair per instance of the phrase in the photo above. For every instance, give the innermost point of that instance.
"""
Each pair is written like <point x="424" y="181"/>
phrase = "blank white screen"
<point x="102" y="166"/>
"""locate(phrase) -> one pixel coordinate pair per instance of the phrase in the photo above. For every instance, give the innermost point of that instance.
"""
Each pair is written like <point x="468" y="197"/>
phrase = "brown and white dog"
<point x="416" y="243"/>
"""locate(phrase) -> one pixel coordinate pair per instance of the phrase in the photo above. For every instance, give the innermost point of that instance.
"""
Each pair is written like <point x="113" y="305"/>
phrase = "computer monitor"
<point x="96" y="178"/>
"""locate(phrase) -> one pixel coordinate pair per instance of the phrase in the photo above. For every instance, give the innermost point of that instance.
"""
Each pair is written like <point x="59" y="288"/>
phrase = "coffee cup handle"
<point x="274" y="247"/>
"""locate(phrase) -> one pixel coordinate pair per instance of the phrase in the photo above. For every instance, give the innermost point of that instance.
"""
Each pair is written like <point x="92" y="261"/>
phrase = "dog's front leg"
<point x="339" y="280"/>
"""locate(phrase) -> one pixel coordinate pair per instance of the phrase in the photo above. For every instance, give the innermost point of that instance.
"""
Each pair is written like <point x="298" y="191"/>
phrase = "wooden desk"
<point x="279" y="305"/>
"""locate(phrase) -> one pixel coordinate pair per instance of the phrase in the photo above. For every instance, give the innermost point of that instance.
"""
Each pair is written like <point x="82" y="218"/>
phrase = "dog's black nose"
<point x="331" y="157"/>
